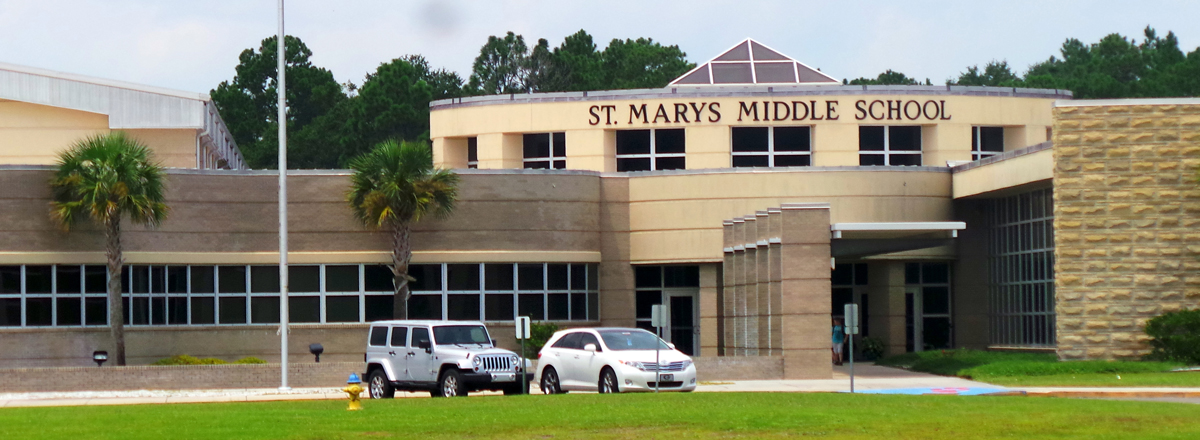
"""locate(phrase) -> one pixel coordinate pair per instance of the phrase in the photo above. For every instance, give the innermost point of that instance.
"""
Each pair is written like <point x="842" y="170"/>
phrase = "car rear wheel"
<point x="379" y="386"/>
<point x="550" y="383"/>
<point x="450" y="385"/>
<point x="608" y="382"/>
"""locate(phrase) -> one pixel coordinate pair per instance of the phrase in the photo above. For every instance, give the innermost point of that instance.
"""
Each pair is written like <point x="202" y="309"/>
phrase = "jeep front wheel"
<point x="450" y="385"/>
<point x="379" y="385"/>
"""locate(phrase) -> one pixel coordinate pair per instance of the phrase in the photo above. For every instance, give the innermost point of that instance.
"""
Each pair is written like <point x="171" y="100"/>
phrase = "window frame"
<point x="887" y="152"/>
<point x="771" y="153"/>
<point x="977" y="152"/>
<point x="553" y="159"/>
<point x="654" y="155"/>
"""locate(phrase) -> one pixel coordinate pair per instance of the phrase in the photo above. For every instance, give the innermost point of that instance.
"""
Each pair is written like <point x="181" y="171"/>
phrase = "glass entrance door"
<point x="927" y="318"/>
<point x="682" y="329"/>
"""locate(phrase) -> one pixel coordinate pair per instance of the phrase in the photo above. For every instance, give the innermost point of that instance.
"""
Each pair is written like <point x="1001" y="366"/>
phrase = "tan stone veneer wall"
<point x="1125" y="216"/>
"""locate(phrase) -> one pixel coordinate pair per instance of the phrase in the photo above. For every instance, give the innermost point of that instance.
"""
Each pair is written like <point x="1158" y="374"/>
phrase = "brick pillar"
<point x="727" y="292"/>
<point x="775" y="260"/>
<point x="762" y="283"/>
<point x="709" y="295"/>
<point x="805" y="283"/>
<point x="739" y="288"/>
<point x="751" y="292"/>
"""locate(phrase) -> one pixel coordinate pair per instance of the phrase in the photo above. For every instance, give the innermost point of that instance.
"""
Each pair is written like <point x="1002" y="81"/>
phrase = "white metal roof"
<point x="127" y="105"/>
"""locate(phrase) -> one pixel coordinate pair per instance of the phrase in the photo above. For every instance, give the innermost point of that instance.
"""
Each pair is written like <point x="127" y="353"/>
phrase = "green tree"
<point x="995" y="73"/>
<point x="1117" y="67"/>
<point x="500" y="67"/>
<point x="576" y="66"/>
<point x="248" y="103"/>
<point x="394" y="186"/>
<point x="889" y="77"/>
<point x="104" y="178"/>
<point x="641" y="64"/>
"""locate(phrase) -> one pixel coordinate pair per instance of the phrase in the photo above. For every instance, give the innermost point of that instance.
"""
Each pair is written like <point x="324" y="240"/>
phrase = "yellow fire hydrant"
<point x="354" y="390"/>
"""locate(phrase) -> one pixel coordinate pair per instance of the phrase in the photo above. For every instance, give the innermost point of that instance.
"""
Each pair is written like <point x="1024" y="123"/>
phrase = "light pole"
<point x="281" y="91"/>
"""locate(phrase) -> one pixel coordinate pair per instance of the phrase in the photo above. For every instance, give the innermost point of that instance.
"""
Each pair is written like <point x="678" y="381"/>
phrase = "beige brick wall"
<point x="1125" y="220"/>
<point x="191" y="377"/>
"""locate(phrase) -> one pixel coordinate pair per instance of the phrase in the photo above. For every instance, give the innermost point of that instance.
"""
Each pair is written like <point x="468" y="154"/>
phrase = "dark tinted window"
<point x="265" y="279"/>
<point x="533" y="306"/>
<point x="669" y="141"/>
<point x="202" y="280"/>
<point x="10" y="282"/>
<point x="498" y="307"/>
<point x="378" y="278"/>
<point x="233" y="279"/>
<point x="750" y="138"/>
<point x="870" y="138"/>
<point x="69" y="278"/>
<point x="648" y="276"/>
<point x="341" y="278"/>
<point x="529" y="277"/>
<point x="379" y="307"/>
<point x="462" y="307"/>
<point x="264" y="310"/>
<point x="991" y="139"/>
<point x="428" y="277"/>
<point x="462" y="276"/>
<point x="38" y="279"/>
<point x="681" y="276"/>
<point x="379" y="336"/>
<point x="304" y="278"/>
<point x="556" y="276"/>
<point x="399" y="335"/>
<point x="904" y="138"/>
<point x="792" y="139"/>
<point x="341" y="309"/>
<point x="233" y="310"/>
<point x="425" y="307"/>
<point x="633" y="142"/>
<point x="569" y="340"/>
<point x="302" y="309"/>
<point x="498" y="276"/>
<point x="588" y="338"/>
<point x="419" y="334"/>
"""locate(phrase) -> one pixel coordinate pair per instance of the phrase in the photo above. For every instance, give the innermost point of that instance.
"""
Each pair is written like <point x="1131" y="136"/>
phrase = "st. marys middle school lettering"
<point x="772" y="111"/>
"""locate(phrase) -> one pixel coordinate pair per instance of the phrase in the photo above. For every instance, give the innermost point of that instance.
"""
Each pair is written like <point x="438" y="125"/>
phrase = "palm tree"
<point x="393" y="186"/>
<point x="104" y="178"/>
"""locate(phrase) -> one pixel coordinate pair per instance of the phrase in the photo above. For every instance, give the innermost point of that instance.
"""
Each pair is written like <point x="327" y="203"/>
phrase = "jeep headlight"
<point x="476" y="361"/>
<point x="516" y="363"/>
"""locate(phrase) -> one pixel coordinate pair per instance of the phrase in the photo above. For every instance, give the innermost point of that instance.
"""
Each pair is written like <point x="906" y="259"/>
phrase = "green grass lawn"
<point x="644" y="416"/>
<point x="1042" y="369"/>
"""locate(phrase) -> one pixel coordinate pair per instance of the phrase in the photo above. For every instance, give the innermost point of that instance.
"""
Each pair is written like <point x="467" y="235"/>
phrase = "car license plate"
<point x="667" y="377"/>
<point x="504" y="377"/>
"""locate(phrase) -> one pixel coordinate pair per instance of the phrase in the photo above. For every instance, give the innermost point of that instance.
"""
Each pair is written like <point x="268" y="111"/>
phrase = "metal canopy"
<point x="856" y="240"/>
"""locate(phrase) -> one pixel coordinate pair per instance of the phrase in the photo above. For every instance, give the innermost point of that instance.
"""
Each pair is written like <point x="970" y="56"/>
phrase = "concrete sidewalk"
<point x="867" y="377"/>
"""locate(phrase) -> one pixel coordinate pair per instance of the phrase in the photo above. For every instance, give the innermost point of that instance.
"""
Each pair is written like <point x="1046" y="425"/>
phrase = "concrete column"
<point x="886" y="294"/>
<point x="727" y="292"/>
<point x="500" y="151"/>
<point x="739" y="288"/>
<point x="762" y="283"/>
<point x="805" y="283"/>
<point x="593" y="150"/>
<point x="751" y="293"/>
<point x="971" y="274"/>
<point x="450" y="152"/>
<point x="710" y="275"/>
<point x="775" y="298"/>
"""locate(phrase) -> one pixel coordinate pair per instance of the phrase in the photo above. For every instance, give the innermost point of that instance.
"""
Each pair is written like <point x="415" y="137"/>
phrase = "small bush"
<point x="250" y="360"/>
<point x="539" y="333"/>
<point x="1175" y="337"/>
<point x="872" y="348"/>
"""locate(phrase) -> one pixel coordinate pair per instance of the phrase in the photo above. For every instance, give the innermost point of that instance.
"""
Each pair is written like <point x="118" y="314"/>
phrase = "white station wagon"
<point x="612" y="360"/>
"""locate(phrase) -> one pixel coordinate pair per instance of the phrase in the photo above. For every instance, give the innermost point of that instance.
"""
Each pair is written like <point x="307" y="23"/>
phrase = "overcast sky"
<point x="194" y="45"/>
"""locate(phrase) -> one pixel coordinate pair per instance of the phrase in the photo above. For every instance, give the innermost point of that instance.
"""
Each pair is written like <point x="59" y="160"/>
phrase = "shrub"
<point x="1175" y="336"/>
<point x="250" y="360"/>
<point x="1028" y="368"/>
<point x="872" y="348"/>
<point x="539" y="333"/>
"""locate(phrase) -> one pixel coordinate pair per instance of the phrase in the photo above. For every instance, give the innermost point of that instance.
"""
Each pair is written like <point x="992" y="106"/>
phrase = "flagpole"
<point x="281" y="91"/>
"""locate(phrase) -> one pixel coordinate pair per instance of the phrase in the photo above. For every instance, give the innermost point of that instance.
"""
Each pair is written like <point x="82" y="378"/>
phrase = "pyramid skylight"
<point x="751" y="62"/>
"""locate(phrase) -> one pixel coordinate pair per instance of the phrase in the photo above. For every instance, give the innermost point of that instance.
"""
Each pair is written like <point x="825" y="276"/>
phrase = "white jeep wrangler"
<point x="446" y="358"/>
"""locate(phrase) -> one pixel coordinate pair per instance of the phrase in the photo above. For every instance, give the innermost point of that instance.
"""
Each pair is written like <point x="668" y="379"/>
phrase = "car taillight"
<point x="539" y="355"/>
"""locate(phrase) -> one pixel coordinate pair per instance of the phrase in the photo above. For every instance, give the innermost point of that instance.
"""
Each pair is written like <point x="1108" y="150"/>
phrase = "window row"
<point x="74" y="295"/>
<point x="784" y="146"/>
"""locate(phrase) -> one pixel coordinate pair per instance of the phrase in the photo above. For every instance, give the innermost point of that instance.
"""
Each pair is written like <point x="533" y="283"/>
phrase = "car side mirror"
<point x="590" y="347"/>
<point x="671" y="345"/>
<point x="425" y="345"/>
<point x="493" y="342"/>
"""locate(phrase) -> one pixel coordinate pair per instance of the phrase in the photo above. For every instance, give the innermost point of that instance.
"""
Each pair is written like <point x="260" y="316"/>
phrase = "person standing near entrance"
<point x="839" y="336"/>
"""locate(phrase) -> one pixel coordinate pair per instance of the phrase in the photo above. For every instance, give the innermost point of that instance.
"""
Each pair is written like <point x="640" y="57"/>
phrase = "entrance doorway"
<point x="927" y="320"/>
<point x="682" y="329"/>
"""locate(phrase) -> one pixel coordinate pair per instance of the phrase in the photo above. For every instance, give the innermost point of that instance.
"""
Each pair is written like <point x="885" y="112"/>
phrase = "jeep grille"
<point x="496" y="363"/>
